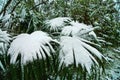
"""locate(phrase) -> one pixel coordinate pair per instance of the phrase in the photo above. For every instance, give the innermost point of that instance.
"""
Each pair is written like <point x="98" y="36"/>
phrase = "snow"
<point x="69" y="27"/>
<point x="1" y="66"/>
<point x="36" y="1"/>
<point x="22" y="15"/>
<point x="2" y="2"/>
<point x="113" y="66"/>
<point x="50" y="1"/>
<point x="6" y="18"/>
<point x="93" y="34"/>
<point x="1" y="16"/>
<point x="29" y="46"/>
<point x="82" y="26"/>
<point x="79" y="30"/>
<point x="73" y="45"/>
<point x="70" y="30"/>
<point x="4" y="41"/>
<point x="57" y="23"/>
<point x="117" y="50"/>
<point x="92" y="50"/>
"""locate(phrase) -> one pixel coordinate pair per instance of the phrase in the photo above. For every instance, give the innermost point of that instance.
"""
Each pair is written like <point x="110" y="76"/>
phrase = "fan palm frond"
<point x="84" y="54"/>
<point x="4" y="41"/>
<point x="57" y="23"/>
<point x="79" y="29"/>
<point x="30" y="46"/>
<point x="70" y="30"/>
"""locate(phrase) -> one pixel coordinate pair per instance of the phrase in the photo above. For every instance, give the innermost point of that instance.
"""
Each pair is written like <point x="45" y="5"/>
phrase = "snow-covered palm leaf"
<point x="4" y="41"/>
<point x="7" y="20"/>
<point x="84" y="54"/>
<point x="79" y="29"/>
<point x="57" y="23"/>
<point x="30" y="46"/>
<point x="83" y="26"/>
<point x="70" y="30"/>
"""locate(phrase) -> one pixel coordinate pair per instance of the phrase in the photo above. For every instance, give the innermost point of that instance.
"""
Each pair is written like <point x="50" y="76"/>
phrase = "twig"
<point x="43" y="2"/>
<point x="15" y="6"/>
<point x="5" y="7"/>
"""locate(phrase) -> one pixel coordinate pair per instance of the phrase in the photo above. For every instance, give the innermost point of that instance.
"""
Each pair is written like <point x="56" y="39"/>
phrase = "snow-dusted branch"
<point x="43" y="2"/>
<point x="15" y="6"/>
<point x="5" y="7"/>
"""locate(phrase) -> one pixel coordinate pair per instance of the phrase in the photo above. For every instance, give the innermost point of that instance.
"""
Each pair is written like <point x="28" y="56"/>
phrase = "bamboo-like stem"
<point x="22" y="71"/>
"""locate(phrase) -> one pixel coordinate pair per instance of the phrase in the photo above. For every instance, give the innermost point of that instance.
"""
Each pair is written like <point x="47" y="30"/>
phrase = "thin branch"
<point x="15" y="6"/>
<point x="43" y="2"/>
<point x="5" y="7"/>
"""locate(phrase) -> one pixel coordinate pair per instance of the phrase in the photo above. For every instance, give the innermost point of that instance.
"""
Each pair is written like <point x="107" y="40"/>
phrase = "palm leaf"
<point x="83" y="53"/>
<point x="79" y="29"/>
<point x="1" y="66"/>
<point x="30" y="46"/>
<point x="4" y="41"/>
<point x="57" y="23"/>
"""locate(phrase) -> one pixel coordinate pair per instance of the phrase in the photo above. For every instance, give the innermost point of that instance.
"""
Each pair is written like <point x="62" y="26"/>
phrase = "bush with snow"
<point x="74" y="49"/>
<point x="75" y="40"/>
<point x="68" y="27"/>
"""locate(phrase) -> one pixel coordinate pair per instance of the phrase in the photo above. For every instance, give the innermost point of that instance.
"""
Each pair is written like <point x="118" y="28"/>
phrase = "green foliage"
<point x="27" y="16"/>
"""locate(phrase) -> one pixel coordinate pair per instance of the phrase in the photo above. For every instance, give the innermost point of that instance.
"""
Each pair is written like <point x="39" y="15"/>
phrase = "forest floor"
<point x="113" y="65"/>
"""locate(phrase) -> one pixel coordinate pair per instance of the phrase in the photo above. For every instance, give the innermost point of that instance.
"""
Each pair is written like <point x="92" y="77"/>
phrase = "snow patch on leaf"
<point x="4" y="41"/>
<point x="79" y="30"/>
